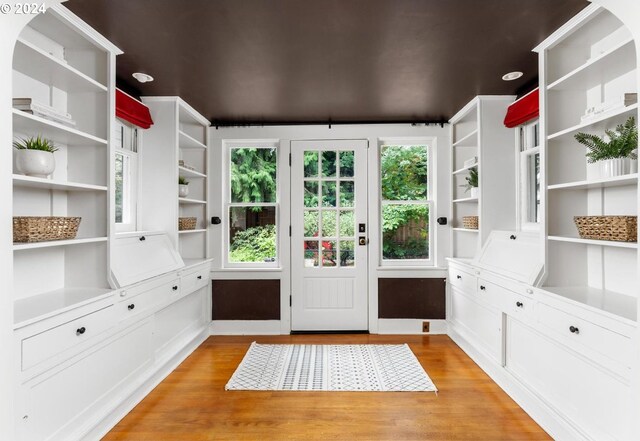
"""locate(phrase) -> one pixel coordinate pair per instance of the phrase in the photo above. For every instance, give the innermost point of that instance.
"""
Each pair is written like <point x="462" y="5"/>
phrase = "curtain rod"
<point x="224" y="124"/>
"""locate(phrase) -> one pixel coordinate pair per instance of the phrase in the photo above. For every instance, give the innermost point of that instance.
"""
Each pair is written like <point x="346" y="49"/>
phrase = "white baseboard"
<point x="245" y="327"/>
<point x="138" y="391"/>
<point x="410" y="326"/>
<point x="551" y="421"/>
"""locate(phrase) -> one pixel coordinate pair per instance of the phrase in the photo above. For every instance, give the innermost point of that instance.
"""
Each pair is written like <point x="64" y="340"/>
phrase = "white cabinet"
<point x="174" y="322"/>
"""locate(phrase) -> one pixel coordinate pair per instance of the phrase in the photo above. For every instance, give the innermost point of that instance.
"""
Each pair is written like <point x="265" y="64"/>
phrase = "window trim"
<point x="523" y="152"/>
<point x="227" y="204"/>
<point x="133" y="155"/>
<point x="430" y="202"/>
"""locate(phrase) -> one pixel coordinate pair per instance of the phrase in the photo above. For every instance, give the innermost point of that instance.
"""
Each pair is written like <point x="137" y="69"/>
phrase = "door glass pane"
<point x="347" y="257"/>
<point x="329" y="194"/>
<point x="329" y="164"/>
<point x="533" y="187"/>
<point x="329" y="223"/>
<point x="346" y="164"/>
<point x="311" y="223"/>
<point x="405" y="231"/>
<point x="403" y="172"/>
<point x="311" y="194"/>
<point x="347" y="221"/>
<point x="311" y="164"/>
<point x="311" y="254"/>
<point x="329" y="253"/>
<point x="346" y="193"/>
<point x="253" y="174"/>
<point x="252" y="234"/>
<point x="120" y="193"/>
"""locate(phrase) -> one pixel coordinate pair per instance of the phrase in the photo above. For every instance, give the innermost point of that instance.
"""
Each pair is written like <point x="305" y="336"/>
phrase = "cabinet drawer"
<point x="492" y="294"/>
<point x="462" y="280"/>
<point x="194" y="280"/>
<point x="520" y="306"/>
<point x="51" y="342"/>
<point x="582" y="335"/>
<point x="135" y="304"/>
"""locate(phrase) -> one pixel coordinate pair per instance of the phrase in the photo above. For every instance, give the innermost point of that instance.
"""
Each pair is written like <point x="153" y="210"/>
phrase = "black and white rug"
<point x="330" y="368"/>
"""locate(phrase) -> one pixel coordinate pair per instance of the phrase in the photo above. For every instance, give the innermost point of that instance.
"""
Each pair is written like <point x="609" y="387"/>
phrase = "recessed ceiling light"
<point x="142" y="77"/>
<point x="512" y="76"/>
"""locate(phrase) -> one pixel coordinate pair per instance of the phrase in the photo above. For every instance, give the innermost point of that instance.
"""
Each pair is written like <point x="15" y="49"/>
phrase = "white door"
<point x="329" y="235"/>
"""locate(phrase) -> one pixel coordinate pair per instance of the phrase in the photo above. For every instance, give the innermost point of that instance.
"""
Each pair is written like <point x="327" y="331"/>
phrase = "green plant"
<point x="255" y="244"/>
<point x="623" y="141"/>
<point x="472" y="179"/>
<point x="182" y="180"/>
<point x="35" y="143"/>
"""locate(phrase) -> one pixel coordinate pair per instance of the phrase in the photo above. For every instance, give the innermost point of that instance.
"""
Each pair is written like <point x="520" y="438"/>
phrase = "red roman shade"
<point x="523" y="110"/>
<point x="132" y="110"/>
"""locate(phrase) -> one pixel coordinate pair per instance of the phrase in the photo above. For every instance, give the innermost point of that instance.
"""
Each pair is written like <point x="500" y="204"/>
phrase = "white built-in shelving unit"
<point x="71" y="68"/>
<point x="179" y="133"/>
<point x="590" y="61"/>
<point x="477" y="131"/>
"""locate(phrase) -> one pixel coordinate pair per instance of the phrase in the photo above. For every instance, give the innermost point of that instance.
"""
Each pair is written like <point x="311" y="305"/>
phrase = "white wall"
<point x="287" y="133"/>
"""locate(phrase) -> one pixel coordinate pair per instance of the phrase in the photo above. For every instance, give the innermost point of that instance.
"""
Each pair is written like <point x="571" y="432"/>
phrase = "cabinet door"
<point x="594" y="401"/>
<point x="482" y="326"/>
<point x="175" y="321"/>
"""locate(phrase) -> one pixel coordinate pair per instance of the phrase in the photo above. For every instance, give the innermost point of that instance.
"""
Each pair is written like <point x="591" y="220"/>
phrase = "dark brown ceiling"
<point x="318" y="60"/>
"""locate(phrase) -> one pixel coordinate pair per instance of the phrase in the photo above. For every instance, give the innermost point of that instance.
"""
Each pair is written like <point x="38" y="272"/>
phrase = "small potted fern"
<point x="183" y="187"/>
<point x="34" y="156"/>
<point x="616" y="156"/>
<point x="472" y="182"/>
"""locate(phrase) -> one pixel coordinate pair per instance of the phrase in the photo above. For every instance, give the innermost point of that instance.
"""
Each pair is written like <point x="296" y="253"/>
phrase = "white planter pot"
<point x="35" y="163"/>
<point x="615" y="167"/>
<point x="473" y="192"/>
<point x="183" y="190"/>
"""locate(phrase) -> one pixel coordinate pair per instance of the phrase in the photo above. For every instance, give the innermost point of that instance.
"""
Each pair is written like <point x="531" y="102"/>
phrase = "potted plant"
<point x="183" y="187"/>
<point x="472" y="182"/>
<point x="34" y="156"/>
<point x="616" y="156"/>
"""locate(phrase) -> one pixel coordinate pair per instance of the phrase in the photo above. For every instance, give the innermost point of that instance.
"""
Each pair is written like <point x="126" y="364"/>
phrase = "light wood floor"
<point x="191" y="404"/>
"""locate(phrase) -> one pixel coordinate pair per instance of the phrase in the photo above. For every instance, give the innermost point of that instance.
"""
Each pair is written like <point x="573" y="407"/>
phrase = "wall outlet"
<point x="425" y="326"/>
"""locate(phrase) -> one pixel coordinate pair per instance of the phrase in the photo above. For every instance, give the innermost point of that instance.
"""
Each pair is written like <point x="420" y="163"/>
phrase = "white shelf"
<point x="466" y="230"/>
<point x="29" y="124"/>
<point x="191" y="201"/>
<point x="47" y="69"/>
<point x="609" y="301"/>
<point x="48" y="184"/>
<point x="617" y="181"/>
<point x="456" y="201"/>
<point x="599" y="123"/>
<point x="42" y="306"/>
<point x="604" y="243"/>
<point x="57" y="243"/>
<point x="469" y="140"/>
<point x="464" y="169"/>
<point x="187" y="173"/>
<point x="188" y="142"/>
<point x="192" y="231"/>
<point x="594" y="69"/>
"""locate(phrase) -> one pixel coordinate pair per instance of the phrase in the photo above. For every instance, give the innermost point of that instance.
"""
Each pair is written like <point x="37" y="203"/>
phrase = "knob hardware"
<point x="519" y="304"/>
<point x="574" y="330"/>
<point x="199" y="277"/>
<point x="131" y="306"/>
<point x="81" y="331"/>
<point x="458" y="277"/>
<point x="175" y="288"/>
<point x="482" y="287"/>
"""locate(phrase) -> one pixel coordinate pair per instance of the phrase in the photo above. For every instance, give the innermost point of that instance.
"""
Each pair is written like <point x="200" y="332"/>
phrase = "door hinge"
<point x="290" y="301"/>
<point x="289" y="230"/>
<point x="289" y="159"/>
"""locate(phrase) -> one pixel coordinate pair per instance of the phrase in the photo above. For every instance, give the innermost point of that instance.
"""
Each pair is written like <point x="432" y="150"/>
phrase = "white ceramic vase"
<point x="615" y="167"/>
<point x="474" y="192"/>
<point x="36" y="163"/>
<point x="183" y="190"/>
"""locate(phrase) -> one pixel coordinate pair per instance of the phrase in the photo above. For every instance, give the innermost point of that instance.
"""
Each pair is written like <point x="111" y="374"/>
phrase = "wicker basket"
<point x="187" y="223"/>
<point x="616" y="228"/>
<point x="41" y="229"/>
<point x="470" y="222"/>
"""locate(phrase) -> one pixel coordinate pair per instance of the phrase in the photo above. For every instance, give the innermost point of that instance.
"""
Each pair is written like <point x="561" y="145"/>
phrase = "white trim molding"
<point x="246" y="327"/>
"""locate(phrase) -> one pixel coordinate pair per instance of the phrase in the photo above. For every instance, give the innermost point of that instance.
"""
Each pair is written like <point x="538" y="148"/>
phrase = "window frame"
<point x="526" y="148"/>
<point x="133" y="155"/>
<point x="430" y="202"/>
<point x="227" y="205"/>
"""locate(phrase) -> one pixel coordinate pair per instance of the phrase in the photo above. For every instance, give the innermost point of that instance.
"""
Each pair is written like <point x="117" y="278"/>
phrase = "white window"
<point x="126" y="176"/>
<point x="529" y="175"/>
<point x="406" y="204"/>
<point x="252" y="205"/>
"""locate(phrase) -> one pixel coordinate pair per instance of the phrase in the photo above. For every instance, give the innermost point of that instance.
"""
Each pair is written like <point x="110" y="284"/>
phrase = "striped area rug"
<point x="330" y="368"/>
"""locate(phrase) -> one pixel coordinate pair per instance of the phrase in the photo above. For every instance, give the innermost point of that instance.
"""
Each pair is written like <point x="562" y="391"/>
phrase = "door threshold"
<point x="328" y="332"/>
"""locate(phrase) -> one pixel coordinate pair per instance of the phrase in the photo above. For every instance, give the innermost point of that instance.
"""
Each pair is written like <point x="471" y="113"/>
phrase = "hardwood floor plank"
<point x="192" y="405"/>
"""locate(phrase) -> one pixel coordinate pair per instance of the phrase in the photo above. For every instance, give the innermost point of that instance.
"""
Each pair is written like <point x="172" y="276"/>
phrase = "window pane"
<point x="346" y="193"/>
<point x="329" y="223"/>
<point x="329" y="194"/>
<point x="311" y="254"/>
<point x="252" y="234"/>
<point x="329" y="253"/>
<point x="311" y="194"/>
<point x="253" y="175"/>
<point x="404" y="173"/>
<point x="405" y="231"/>
<point x="311" y="164"/>
<point x="311" y="223"/>
<point x="119" y="187"/>
<point x="123" y="189"/>
<point x="346" y="164"/>
<point x="347" y="222"/>
<point x="329" y="164"/>
<point x="346" y="253"/>
<point x="533" y="190"/>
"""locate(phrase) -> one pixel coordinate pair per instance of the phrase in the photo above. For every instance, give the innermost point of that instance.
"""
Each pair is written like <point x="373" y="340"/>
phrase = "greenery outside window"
<point x="529" y="175"/>
<point x="252" y="206"/>
<point x="406" y="204"/>
<point x="126" y="176"/>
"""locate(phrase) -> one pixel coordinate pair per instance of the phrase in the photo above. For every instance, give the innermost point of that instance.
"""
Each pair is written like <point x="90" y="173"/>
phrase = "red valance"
<point x="132" y="110"/>
<point x="523" y="110"/>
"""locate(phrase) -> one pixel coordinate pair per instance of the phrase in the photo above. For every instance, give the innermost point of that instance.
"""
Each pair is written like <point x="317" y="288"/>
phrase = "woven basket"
<point x="470" y="222"/>
<point x="41" y="229"/>
<point x="616" y="228"/>
<point x="187" y="223"/>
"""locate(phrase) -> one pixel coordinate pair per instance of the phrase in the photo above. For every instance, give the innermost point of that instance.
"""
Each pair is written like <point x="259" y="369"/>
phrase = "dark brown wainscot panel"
<point x="246" y="299"/>
<point x="411" y="298"/>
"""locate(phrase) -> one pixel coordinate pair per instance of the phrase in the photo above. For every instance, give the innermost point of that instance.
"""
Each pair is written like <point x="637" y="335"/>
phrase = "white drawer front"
<point x="494" y="295"/>
<point x="580" y="334"/>
<point x="520" y="306"/>
<point x="194" y="280"/>
<point x="45" y="345"/>
<point x="462" y="280"/>
<point x="145" y="301"/>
